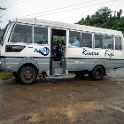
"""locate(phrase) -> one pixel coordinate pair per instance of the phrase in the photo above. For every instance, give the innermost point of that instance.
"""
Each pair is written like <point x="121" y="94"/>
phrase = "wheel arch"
<point x="99" y="63"/>
<point x="28" y="62"/>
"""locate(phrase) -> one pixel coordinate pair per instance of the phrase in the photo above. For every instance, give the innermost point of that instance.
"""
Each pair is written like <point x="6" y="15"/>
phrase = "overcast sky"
<point x="68" y="11"/>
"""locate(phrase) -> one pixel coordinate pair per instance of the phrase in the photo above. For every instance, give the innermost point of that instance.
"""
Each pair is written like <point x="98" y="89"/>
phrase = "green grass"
<point x="6" y="74"/>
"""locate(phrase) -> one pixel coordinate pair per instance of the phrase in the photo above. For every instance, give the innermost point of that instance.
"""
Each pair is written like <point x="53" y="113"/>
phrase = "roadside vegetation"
<point x="105" y="18"/>
<point x="5" y="74"/>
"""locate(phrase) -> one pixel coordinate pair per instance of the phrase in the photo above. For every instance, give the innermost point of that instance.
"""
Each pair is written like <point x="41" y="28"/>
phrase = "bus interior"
<point x="57" y="61"/>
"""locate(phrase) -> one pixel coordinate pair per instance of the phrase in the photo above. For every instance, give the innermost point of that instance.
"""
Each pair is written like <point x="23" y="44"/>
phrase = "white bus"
<point x="29" y="47"/>
<point x="0" y="47"/>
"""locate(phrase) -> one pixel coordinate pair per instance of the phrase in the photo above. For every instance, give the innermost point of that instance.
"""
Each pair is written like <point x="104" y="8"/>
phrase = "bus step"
<point x="58" y="71"/>
<point x="59" y="75"/>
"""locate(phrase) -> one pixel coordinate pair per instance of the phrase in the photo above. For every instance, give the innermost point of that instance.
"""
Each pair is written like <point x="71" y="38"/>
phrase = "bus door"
<point x="58" y="43"/>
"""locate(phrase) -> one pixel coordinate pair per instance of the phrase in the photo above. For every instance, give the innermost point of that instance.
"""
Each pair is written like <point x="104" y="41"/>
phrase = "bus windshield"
<point x="23" y="33"/>
<point x="5" y="33"/>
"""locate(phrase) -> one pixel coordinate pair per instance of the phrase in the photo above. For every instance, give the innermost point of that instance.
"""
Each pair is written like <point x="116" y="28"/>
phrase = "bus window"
<point x="118" y="43"/>
<point x="40" y="35"/>
<point x="98" y="38"/>
<point x="87" y="40"/>
<point x="108" y="42"/>
<point x="74" y="38"/>
<point x="22" y="33"/>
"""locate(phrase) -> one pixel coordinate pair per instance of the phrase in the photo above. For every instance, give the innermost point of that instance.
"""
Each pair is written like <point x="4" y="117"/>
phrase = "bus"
<point x="0" y="47"/>
<point x="29" y="47"/>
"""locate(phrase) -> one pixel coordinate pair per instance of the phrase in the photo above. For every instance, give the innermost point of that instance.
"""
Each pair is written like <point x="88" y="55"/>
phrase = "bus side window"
<point x="98" y="40"/>
<point x="40" y="35"/>
<point x="118" y="45"/>
<point x="87" y="39"/>
<point x="109" y="46"/>
<point x="74" y="38"/>
<point x="108" y="41"/>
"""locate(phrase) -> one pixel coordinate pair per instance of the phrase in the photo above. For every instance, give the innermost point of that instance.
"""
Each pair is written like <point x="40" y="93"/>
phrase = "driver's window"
<point x="40" y="35"/>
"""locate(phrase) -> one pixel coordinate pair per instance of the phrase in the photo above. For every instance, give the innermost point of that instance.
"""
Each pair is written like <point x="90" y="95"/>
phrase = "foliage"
<point x="58" y="39"/>
<point x="103" y="18"/>
<point x="6" y="74"/>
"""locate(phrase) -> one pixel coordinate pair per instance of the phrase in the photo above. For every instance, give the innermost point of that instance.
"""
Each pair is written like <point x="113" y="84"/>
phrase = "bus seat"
<point x="109" y="46"/>
<point x="119" y="47"/>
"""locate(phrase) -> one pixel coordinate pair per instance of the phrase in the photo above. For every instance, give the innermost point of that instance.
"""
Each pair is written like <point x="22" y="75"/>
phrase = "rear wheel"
<point x="97" y="73"/>
<point x="27" y="74"/>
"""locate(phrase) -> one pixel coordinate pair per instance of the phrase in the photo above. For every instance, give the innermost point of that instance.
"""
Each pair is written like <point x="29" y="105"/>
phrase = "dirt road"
<point x="63" y="101"/>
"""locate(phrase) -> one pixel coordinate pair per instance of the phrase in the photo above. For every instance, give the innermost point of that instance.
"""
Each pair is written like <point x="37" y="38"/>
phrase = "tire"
<point x="15" y="74"/>
<point x="97" y="73"/>
<point x="27" y="74"/>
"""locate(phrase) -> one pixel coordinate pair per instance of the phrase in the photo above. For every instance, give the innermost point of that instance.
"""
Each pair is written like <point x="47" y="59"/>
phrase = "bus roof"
<point x="61" y="25"/>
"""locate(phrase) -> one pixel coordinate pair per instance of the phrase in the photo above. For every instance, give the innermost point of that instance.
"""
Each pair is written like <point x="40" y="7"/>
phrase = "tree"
<point x="103" y="18"/>
<point x="119" y="13"/>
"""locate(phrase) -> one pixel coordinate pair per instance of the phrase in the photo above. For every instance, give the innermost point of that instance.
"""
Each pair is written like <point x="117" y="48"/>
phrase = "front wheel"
<point x="97" y="73"/>
<point x="27" y="74"/>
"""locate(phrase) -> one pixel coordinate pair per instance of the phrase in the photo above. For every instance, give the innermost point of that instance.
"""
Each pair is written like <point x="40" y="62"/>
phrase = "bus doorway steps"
<point x="58" y="71"/>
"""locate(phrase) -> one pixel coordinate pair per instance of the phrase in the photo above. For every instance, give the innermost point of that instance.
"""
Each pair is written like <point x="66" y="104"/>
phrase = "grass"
<point x="6" y="74"/>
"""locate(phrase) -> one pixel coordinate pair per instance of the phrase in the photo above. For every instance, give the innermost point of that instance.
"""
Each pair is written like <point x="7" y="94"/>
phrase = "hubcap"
<point x="28" y="75"/>
<point x="98" y="73"/>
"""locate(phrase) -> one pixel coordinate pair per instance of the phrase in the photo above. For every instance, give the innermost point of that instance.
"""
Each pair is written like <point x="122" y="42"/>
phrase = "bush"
<point x="5" y="74"/>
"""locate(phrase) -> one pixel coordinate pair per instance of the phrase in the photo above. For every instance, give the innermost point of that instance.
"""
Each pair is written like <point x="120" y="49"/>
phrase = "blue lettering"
<point x="44" y="51"/>
<point x="87" y="52"/>
<point x="36" y="50"/>
<point x="109" y="53"/>
<point x="84" y="51"/>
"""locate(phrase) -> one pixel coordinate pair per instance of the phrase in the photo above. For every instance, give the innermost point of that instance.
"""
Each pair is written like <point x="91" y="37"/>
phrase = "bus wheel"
<point x="15" y="74"/>
<point x="97" y="73"/>
<point x="27" y="74"/>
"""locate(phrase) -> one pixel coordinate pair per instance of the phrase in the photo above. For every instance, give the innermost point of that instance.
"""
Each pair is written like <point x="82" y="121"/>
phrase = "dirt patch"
<point x="62" y="101"/>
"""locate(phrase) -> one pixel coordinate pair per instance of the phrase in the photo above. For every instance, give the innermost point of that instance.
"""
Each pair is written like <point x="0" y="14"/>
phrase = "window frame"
<point x="47" y="33"/>
<point x="80" y="36"/>
<point x="103" y="40"/>
<point x="92" y="40"/>
<point x="120" y="42"/>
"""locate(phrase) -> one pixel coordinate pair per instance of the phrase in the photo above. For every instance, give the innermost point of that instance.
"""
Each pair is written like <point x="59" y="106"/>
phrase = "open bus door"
<point x="57" y="61"/>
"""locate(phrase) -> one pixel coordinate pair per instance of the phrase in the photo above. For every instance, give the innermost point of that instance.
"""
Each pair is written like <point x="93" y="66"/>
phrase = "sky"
<point x="67" y="11"/>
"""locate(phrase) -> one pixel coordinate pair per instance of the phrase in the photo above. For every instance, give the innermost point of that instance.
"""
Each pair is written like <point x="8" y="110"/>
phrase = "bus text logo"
<point x="109" y="53"/>
<point x="44" y="51"/>
<point x="87" y="52"/>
